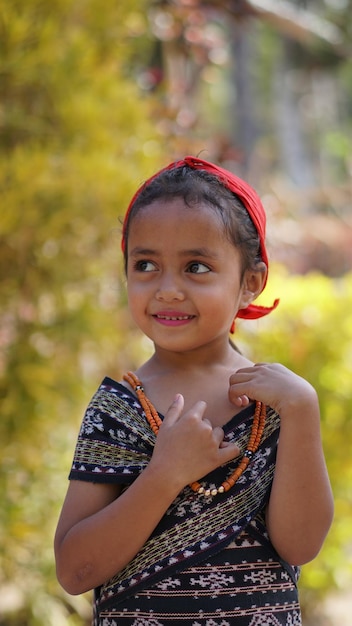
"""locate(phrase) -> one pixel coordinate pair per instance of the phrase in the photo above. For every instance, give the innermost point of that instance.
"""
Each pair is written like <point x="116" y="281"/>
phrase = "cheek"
<point x="133" y="294"/>
<point x="137" y="296"/>
<point x="136" y="307"/>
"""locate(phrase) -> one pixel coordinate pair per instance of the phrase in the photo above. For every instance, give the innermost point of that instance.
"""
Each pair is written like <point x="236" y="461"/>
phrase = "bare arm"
<point x="100" y="531"/>
<point x="300" y="508"/>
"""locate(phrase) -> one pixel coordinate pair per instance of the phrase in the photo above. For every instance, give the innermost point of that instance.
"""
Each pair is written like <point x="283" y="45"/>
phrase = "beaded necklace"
<point x="155" y="422"/>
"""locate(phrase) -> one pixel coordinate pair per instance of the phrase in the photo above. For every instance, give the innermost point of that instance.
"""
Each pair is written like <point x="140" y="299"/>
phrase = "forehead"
<point x="177" y="218"/>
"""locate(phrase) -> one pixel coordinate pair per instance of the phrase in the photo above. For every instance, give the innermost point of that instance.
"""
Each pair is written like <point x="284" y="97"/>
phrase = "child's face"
<point x="184" y="275"/>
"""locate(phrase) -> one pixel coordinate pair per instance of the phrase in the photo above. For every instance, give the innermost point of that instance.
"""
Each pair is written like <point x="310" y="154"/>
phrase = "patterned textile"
<point x="115" y="444"/>
<point x="243" y="585"/>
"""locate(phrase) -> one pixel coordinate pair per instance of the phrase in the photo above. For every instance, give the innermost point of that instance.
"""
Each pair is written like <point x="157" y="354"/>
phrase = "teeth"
<point x="166" y="317"/>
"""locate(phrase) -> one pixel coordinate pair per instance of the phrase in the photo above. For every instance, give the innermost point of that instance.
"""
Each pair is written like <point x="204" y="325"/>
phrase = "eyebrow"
<point x="194" y="252"/>
<point x="142" y="251"/>
<point x="200" y="252"/>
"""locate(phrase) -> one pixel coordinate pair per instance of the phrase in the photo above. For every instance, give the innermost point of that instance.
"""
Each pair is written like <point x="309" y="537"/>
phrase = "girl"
<point x="184" y="505"/>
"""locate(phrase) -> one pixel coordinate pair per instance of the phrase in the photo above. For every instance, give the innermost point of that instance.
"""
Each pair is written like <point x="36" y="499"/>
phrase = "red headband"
<point x="250" y="200"/>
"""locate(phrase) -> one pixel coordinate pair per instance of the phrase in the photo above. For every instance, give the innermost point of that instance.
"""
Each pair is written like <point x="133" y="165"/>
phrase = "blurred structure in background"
<point x="264" y="88"/>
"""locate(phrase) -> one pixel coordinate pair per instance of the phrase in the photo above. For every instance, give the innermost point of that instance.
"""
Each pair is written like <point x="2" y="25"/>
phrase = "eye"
<point x="197" y="268"/>
<point x="144" y="266"/>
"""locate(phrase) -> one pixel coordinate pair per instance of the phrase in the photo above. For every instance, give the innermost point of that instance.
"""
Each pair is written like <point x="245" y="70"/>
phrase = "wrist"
<point x="164" y="481"/>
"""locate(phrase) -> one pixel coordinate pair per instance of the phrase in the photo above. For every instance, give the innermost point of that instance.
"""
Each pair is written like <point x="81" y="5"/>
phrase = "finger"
<point x="242" y="400"/>
<point x="198" y="409"/>
<point x="228" y="451"/>
<point x="241" y="378"/>
<point x="196" y="412"/>
<point x="175" y="409"/>
<point x="205" y="420"/>
<point x="242" y="373"/>
<point x="218" y="434"/>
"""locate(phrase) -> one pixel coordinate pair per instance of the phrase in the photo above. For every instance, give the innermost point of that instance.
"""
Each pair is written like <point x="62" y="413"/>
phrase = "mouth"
<point x="172" y="318"/>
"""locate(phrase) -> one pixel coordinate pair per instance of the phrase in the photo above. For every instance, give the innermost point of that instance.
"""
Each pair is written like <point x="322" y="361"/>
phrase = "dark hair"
<point x="196" y="186"/>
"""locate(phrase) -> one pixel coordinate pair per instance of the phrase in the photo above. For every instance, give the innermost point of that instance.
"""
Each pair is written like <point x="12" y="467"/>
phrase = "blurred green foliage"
<point x="76" y="137"/>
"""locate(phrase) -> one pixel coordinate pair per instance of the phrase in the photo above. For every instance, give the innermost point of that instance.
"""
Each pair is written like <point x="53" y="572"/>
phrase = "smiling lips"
<point x="172" y="318"/>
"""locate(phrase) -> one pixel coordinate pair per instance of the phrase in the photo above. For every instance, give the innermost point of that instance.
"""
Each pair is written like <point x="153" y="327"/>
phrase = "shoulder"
<point x="110" y="390"/>
<point x="113" y="405"/>
<point x="116" y="413"/>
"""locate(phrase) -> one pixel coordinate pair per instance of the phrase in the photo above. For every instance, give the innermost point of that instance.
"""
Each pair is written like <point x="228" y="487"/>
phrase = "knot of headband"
<point x="249" y="198"/>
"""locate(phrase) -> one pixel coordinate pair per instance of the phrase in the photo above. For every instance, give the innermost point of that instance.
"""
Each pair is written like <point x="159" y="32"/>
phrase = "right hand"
<point x="187" y="446"/>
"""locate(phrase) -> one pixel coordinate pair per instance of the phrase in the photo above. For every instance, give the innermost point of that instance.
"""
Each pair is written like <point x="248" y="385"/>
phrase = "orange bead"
<point x="255" y="437"/>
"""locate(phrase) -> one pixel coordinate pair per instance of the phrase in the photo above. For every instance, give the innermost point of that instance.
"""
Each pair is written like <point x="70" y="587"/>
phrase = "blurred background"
<point x="94" y="97"/>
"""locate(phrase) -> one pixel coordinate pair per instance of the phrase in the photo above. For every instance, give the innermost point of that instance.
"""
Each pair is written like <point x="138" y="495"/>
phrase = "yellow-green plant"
<point x="75" y="136"/>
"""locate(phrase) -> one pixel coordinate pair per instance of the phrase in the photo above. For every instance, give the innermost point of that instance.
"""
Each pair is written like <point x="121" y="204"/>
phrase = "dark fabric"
<point x="245" y="584"/>
<point x="115" y="444"/>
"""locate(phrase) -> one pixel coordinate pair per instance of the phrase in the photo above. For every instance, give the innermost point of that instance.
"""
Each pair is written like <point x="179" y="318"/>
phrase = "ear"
<point x="253" y="283"/>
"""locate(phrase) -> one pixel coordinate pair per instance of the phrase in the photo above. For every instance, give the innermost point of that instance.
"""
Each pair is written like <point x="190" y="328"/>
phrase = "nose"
<point x="169" y="288"/>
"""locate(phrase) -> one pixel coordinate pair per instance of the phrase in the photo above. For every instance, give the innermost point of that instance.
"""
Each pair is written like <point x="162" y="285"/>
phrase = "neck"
<point x="206" y="359"/>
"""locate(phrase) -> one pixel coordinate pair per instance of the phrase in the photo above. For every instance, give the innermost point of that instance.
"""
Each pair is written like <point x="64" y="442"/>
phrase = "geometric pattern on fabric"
<point x="115" y="444"/>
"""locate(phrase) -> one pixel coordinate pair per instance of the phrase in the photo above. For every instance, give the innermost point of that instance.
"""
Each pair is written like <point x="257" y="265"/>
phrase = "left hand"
<point x="270" y="383"/>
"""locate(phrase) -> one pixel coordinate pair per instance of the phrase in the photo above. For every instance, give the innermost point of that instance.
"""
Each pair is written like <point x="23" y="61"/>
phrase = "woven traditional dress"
<point x="209" y="562"/>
